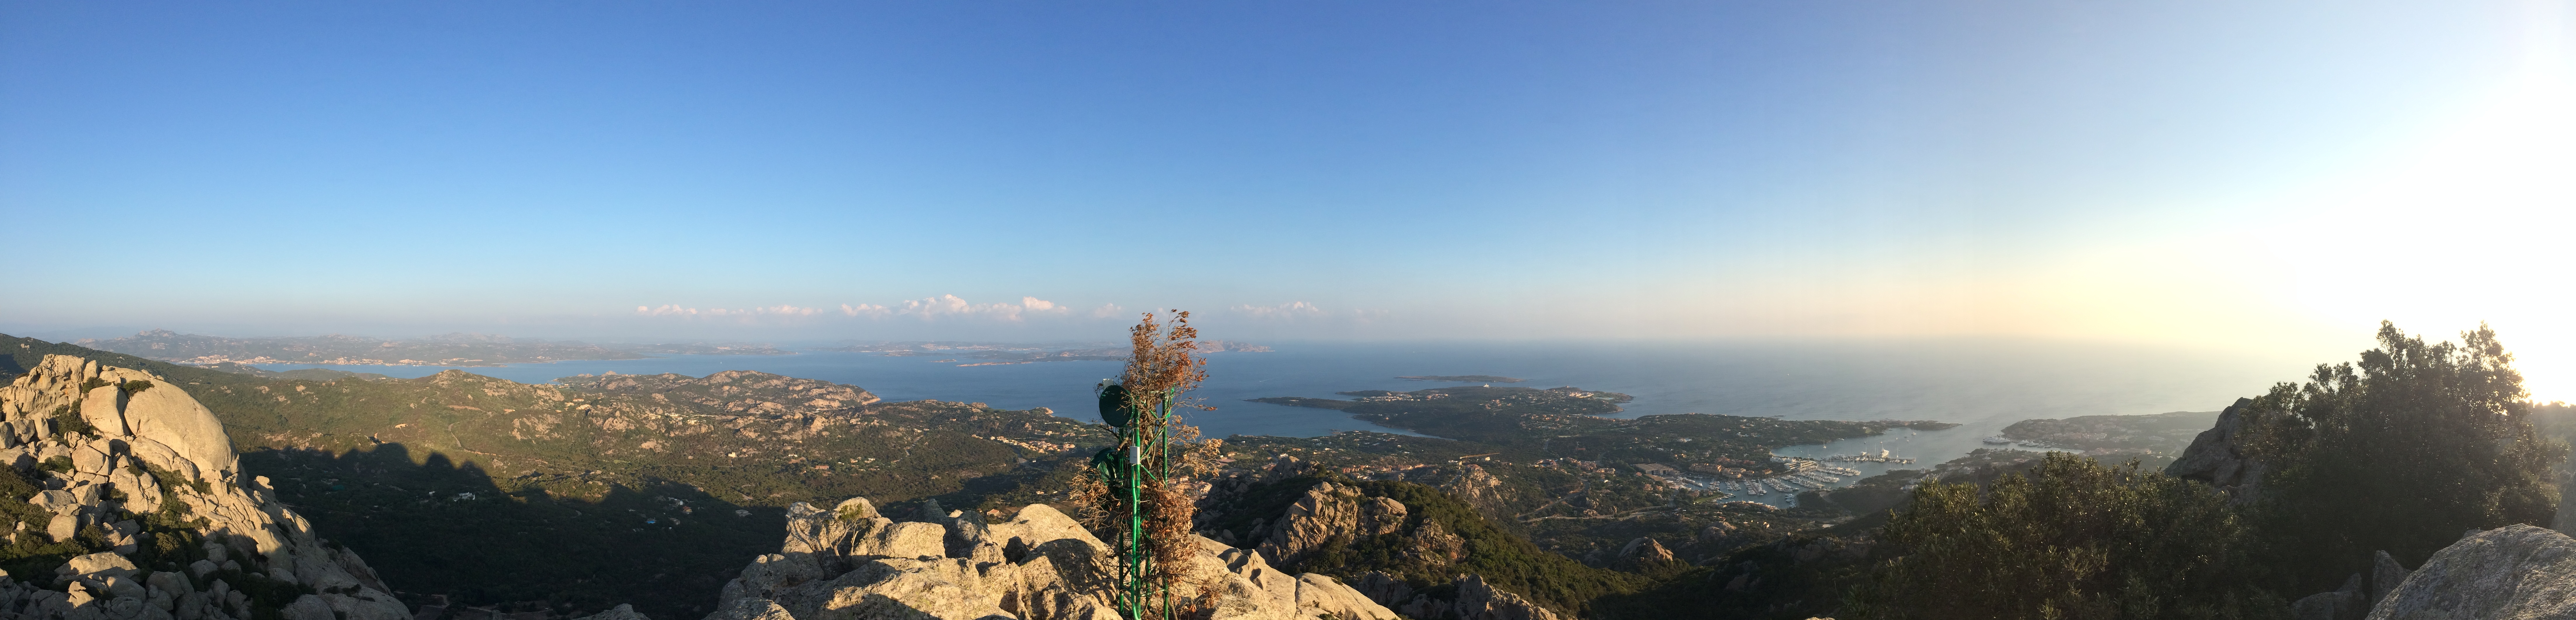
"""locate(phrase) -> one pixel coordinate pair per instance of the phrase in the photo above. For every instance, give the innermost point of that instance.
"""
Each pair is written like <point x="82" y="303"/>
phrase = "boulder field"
<point x="110" y="449"/>
<point x="850" y="563"/>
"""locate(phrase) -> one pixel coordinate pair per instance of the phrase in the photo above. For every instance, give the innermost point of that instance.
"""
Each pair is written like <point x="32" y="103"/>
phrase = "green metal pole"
<point x="1163" y="463"/>
<point x="1137" y="573"/>
<point x="1147" y="440"/>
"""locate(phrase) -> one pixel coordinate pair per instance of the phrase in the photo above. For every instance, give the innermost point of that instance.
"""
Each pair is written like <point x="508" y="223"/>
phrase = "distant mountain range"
<point x="458" y="349"/>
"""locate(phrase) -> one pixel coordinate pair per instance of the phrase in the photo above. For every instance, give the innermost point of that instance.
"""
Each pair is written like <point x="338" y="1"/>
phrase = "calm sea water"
<point x="1984" y="385"/>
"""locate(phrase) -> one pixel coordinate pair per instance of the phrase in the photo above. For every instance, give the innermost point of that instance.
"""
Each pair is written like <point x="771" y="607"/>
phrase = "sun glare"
<point x="2469" y="226"/>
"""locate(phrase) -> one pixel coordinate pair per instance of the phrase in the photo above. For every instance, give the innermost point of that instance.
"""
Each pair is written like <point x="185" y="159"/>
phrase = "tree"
<point x="2071" y="539"/>
<point x="2400" y="452"/>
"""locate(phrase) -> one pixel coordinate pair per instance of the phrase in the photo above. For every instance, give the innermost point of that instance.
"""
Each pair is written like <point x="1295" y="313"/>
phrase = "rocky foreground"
<point x="852" y="563"/>
<point x="137" y="486"/>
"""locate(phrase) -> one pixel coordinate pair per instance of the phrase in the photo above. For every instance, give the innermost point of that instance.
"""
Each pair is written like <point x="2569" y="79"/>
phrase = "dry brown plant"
<point x="1162" y="367"/>
<point x="1163" y="360"/>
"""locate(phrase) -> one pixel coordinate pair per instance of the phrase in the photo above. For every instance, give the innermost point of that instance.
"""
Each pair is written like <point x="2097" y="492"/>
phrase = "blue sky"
<point x="1357" y="170"/>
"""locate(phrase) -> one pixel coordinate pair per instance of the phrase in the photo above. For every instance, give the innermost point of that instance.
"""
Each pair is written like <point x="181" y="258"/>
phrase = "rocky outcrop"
<point x="620" y="612"/>
<point x="1467" y="482"/>
<point x="2218" y="456"/>
<point x="2385" y="575"/>
<point x="2346" y="603"/>
<point x="1324" y="513"/>
<point x="1331" y="514"/>
<point x="2514" y="572"/>
<point x="149" y="447"/>
<point x="851" y="563"/>
<point x="1475" y="600"/>
<point x="1479" y="601"/>
<point x="1642" y="552"/>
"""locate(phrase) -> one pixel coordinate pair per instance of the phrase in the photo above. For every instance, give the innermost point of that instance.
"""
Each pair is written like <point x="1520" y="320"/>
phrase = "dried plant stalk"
<point x="1161" y="368"/>
<point x="1163" y="358"/>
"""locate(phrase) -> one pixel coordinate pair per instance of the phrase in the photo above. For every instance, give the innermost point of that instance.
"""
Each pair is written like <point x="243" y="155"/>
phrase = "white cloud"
<point x="1107" y="311"/>
<point x="679" y="311"/>
<point x="952" y="306"/>
<point x="1291" y="310"/>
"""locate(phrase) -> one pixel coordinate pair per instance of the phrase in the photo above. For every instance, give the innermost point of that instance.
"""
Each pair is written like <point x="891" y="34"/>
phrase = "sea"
<point x="1983" y="385"/>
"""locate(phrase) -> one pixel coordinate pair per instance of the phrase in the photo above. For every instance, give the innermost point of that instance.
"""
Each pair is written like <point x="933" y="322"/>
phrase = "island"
<point x="1529" y="425"/>
<point x="1465" y="378"/>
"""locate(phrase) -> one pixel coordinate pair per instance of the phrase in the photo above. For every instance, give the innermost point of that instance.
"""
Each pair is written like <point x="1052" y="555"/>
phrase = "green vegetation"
<point x="173" y="532"/>
<point x="1503" y="558"/>
<point x="30" y="551"/>
<point x="2399" y="453"/>
<point x="446" y="527"/>
<point x="2071" y="539"/>
<point x="1507" y="561"/>
<point x="1465" y="378"/>
<point x="67" y="419"/>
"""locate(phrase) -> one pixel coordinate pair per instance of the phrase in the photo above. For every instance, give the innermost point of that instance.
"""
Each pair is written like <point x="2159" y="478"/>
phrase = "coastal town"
<point x="1786" y="476"/>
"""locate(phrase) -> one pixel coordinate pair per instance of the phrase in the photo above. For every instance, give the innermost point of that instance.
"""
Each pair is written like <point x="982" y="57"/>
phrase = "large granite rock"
<point x="1477" y="601"/>
<point x="162" y="427"/>
<point x="1314" y="520"/>
<point x="167" y="416"/>
<point x="2218" y="456"/>
<point x="2345" y="603"/>
<point x="851" y="563"/>
<point x="1644" y="551"/>
<point x="2385" y="575"/>
<point x="2515" y="572"/>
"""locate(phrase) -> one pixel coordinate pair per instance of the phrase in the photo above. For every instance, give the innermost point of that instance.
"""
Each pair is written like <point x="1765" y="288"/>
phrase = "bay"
<point x="1983" y="385"/>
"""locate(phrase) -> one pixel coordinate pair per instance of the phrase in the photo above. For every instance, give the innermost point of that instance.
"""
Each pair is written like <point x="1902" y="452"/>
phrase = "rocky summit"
<point x="851" y="563"/>
<point x="137" y="497"/>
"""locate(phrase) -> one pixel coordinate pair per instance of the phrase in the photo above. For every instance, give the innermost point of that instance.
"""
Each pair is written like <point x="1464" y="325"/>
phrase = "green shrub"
<point x="2399" y="452"/>
<point x="2071" y="539"/>
<point x="172" y="481"/>
<point x="67" y="420"/>
<point x="33" y="553"/>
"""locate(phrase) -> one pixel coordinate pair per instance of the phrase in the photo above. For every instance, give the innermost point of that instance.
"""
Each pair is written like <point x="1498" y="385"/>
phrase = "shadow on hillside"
<point x="570" y="543"/>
